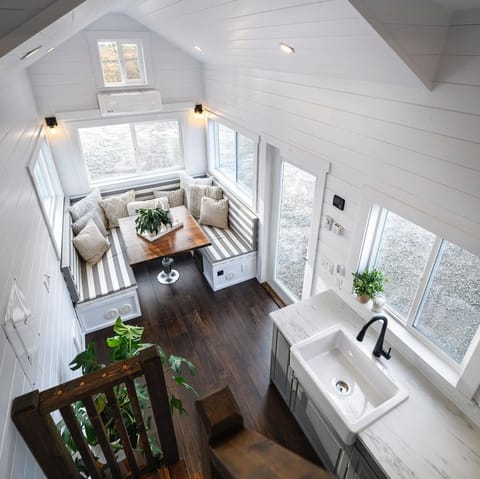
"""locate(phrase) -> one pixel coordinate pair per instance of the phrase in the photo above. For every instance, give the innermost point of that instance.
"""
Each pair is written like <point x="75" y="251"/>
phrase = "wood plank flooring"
<point x="228" y="336"/>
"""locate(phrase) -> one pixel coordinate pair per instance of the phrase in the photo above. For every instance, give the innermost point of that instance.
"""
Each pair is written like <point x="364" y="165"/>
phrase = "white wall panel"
<point x="422" y="146"/>
<point x="64" y="79"/>
<point x="26" y="253"/>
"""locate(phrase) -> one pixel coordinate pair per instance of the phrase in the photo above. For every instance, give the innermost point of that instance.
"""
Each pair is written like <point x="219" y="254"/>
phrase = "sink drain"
<point x="342" y="387"/>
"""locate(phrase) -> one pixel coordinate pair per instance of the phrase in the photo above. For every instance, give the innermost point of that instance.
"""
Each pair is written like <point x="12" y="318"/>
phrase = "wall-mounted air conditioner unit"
<point x="129" y="102"/>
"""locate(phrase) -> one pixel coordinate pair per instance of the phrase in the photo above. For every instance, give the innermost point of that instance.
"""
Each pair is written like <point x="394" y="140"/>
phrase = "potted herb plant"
<point x="125" y="344"/>
<point x="151" y="221"/>
<point x="367" y="284"/>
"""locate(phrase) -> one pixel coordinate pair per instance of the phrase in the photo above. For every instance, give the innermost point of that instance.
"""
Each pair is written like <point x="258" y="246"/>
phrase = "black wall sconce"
<point x="51" y="121"/>
<point x="198" y="110"/>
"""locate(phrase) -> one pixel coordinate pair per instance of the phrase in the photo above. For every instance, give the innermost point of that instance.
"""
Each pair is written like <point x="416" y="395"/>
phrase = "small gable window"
<point x="122" y="62"/>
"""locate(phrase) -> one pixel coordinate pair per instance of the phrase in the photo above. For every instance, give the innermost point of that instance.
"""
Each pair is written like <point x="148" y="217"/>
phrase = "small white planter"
<point x="378" y="303"/>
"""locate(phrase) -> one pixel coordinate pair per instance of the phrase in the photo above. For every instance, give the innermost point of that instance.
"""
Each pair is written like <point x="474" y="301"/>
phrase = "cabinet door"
<point x="358" y="468"/>
<point x="280" y="371"/>
<point x="322" y="439"/>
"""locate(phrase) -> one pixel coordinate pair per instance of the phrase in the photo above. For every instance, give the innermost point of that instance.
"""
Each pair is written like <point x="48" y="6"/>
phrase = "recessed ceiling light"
<point x="198" y="48"/>
<point x="286" y="48"/>
<point x="50" y="49"/>
<point x="31" y="52"/>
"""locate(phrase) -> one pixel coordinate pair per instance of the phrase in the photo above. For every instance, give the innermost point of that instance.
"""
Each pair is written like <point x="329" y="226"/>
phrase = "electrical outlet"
<point x="328" y="222"/>
<point x="340" y="269"/>
<point x="339" y="283"/>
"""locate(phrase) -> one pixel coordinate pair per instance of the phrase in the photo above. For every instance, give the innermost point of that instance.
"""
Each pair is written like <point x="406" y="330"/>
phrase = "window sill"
<point x="105" y="186"/>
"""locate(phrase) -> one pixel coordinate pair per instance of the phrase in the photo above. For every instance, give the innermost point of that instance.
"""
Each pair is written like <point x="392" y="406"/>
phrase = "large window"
<point x="131" y="150"/>
<point x="433" y="285"/>
<point x="235" y="156"/>
<point x="49" y="191"/>
<point x="122" y="62"/>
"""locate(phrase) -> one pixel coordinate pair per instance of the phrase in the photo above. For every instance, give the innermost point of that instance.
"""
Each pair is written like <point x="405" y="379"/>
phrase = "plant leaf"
<point x="181" y="380"/>
<point x="176" y="403"/>
<point x="87" y="360"/>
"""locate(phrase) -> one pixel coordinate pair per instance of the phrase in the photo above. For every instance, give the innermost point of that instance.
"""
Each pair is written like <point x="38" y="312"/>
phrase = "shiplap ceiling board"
<point x="330" y="37"/>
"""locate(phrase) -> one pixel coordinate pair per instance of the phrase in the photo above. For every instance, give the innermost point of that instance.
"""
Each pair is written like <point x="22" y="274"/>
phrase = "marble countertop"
<point x="425" y="437"/>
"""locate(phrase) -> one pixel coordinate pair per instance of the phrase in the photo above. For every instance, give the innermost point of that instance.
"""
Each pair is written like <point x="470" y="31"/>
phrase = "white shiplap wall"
<point x="26" y="253"/>
<point x="420" y="147"/>
<point x="64" y="79"/>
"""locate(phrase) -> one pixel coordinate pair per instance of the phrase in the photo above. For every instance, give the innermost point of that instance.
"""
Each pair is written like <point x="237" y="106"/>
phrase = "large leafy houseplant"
<point x="367" y="284"/>
<point x="151" y="220"/>
<point x="125" y="344"/>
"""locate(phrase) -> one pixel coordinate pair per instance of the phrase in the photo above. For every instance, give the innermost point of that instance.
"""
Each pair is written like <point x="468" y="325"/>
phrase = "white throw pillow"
<point x="89" y="203"/>
<point x="187" y="181"/>
<point x="90" y="243"/>
<point x="214" y="212"/>
<point x="134" y="206"/>
<point x="82" y="222"/>
<point x="195" y="194"/>
<point x="175" y="197"/>
<point x="116" y="207"/>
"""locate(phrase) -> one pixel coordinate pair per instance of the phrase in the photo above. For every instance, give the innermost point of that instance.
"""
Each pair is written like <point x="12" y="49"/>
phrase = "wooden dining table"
<point x="186" y="238"/>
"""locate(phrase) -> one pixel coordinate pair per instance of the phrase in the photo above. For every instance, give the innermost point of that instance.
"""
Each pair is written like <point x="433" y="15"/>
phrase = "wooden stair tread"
<point x="248" y="454"/>
<point x="175" y="471"/>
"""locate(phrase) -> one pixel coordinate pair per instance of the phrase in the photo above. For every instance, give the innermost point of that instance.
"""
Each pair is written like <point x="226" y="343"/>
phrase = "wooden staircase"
<point x="31" y="414"/>
<point x="236" y="452"/>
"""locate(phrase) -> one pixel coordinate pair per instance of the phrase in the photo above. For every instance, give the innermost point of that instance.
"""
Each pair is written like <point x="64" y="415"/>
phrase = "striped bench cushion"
<point x="225" y="244"/>
<point x="112" y="273"/>
<point x="241" y="219"/>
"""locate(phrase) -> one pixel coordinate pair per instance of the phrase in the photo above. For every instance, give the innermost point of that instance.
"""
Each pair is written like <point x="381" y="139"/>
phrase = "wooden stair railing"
<point x="31" y="414"/>
<point x="236" y="452"/>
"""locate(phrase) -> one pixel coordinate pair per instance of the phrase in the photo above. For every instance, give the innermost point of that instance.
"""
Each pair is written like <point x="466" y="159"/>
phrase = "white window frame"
<point x="142" y="39"/>
<point x="123" y="72"/>
<point x="439" y="368"/>
<point x="213" y="120"/>
<point x="371" y="252"/>
<point x="137" y="179"/>
<point x="42" y="161"/>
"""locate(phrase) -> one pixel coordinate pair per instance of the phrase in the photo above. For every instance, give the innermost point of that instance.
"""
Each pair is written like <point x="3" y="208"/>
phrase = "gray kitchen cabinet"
<point x="362" y="465"/>
<point x="330" y="449"/>
<point x="281" y="373"/>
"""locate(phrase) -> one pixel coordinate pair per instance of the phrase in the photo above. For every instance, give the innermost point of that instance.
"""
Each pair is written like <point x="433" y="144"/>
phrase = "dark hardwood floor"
<point x="228" y="336"/>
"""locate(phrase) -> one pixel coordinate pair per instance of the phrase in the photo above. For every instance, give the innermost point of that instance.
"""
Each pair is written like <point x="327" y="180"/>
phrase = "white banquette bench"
<point x="108" y="289"/>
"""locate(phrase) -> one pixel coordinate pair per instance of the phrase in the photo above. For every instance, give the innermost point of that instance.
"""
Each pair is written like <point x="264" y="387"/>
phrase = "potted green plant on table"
<point x="367" y="284"/>
<point x="125" y="344"/>
<point x="151" y="222"/>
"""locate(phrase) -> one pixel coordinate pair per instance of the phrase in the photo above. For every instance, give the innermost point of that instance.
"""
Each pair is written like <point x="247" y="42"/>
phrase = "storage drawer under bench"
<point x="102" y="312"/>
<point x="230" y="271"/>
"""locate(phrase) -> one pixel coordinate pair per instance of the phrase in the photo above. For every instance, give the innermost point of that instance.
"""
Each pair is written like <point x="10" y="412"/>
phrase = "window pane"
<point x="111" y="72"/>
<point x="450" y="314"/>
<point x="108" y="152"/>
<point x="226" y="152"/>
<point x="108" y="51"/>
<point x="295" y="218"/>
<point x="158" y="145"/>
<point x="129" y="51"/>
<point x="132" y="70"/>
<point x="247" y="149"/>
<point x="402" y="256"/>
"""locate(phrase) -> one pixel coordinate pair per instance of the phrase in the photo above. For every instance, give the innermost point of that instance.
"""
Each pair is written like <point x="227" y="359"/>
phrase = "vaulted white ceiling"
<point x="374" y="40"/>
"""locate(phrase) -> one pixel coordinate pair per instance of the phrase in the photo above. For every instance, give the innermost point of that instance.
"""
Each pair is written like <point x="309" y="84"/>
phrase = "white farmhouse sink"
<point x="348" y="385"/>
